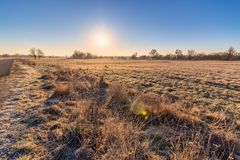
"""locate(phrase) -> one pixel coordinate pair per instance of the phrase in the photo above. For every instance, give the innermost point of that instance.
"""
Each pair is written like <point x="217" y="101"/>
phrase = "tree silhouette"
<point x="40" y="53"/>
<point x="154" y="54"/>
<point x="230" y="53"/>
<point x="81" y="55"/>
<point x="178" y="53"/>
<point x="33" y="53"/>
<point x="191" y="54"/>
<point x="36" y="53"/>
<point x="134" y="55"/>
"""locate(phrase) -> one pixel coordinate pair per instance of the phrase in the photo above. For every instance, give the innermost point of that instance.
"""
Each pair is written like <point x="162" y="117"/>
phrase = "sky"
<point x="118" y="27"/>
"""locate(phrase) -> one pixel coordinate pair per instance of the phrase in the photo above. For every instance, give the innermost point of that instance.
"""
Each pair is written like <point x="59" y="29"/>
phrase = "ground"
<point x="21" y="91"/>
<point x="206" y="84"/>
<point x="120" y="109"/>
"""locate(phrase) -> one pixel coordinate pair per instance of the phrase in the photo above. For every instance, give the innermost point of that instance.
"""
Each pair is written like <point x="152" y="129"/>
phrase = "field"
<point x="121" y="109"/>
<point x="206" y="83"/>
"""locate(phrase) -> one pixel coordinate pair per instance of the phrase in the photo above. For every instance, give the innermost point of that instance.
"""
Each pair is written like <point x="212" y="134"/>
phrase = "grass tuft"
<point x="61" y="90"/>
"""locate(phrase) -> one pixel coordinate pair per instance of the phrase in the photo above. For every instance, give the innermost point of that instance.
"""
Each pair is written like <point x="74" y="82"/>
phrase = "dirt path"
<point x="5" y="66"/>
<point x="25" y="94"/>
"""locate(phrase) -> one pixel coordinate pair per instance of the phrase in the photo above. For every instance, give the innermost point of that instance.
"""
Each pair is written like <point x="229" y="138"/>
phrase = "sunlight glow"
<point x="101" y="40"/>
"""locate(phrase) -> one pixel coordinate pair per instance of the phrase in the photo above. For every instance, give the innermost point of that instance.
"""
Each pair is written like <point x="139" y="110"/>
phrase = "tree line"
<point x="33" y="52"/>
<point x="230" y="54"/>
<point x="81" y="55"/>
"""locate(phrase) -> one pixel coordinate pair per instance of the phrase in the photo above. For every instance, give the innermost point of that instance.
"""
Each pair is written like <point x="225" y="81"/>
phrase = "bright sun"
<point x="101" y="40"/>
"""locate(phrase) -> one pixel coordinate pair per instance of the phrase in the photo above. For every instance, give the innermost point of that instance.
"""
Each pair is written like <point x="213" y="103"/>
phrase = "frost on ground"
<point x="23" y="93"/>
<point x="68" y="113"/>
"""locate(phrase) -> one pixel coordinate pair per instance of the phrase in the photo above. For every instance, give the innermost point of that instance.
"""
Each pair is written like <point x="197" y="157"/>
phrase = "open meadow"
<point x="121" y="109"/>
<point x="119" y="80"/>
<point x="203" y="84"/>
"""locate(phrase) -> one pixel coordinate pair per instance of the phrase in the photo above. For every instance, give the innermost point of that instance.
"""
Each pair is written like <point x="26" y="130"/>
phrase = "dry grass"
<point x="54" y="111"/>
<point x="62" y="90"/>
<point x="93" y="117"/>
<point x="122" y="140"/>
<point x="217" y="116"/>
<point x="24" y="158"/>
<point x="24" y="147"/>
<point x="174" y="113"/>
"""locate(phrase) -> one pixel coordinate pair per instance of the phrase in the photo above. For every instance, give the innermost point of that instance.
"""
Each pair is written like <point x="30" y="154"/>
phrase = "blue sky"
<point x="60" y="26"/>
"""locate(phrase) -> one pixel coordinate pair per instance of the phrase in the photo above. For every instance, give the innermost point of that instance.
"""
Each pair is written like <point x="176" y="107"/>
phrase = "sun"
<point x="101" y="40"/>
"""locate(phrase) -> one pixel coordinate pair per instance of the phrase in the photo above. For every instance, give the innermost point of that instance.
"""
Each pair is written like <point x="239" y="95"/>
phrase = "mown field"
<point x="203" y="84"/>
<point x="115" y="109"/>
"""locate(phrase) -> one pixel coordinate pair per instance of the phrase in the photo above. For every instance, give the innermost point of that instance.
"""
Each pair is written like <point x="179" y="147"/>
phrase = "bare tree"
<point x="230" y="53"/>
<point x="191" y="54"/>
<point x="154" y="54"/>
<point x="40" y="53"/>
<point x="178" y="53"/>
<point x="33" y="52"/>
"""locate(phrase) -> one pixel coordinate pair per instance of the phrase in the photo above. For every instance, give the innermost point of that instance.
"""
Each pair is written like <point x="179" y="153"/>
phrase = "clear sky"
<point x="118" y="27"/>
